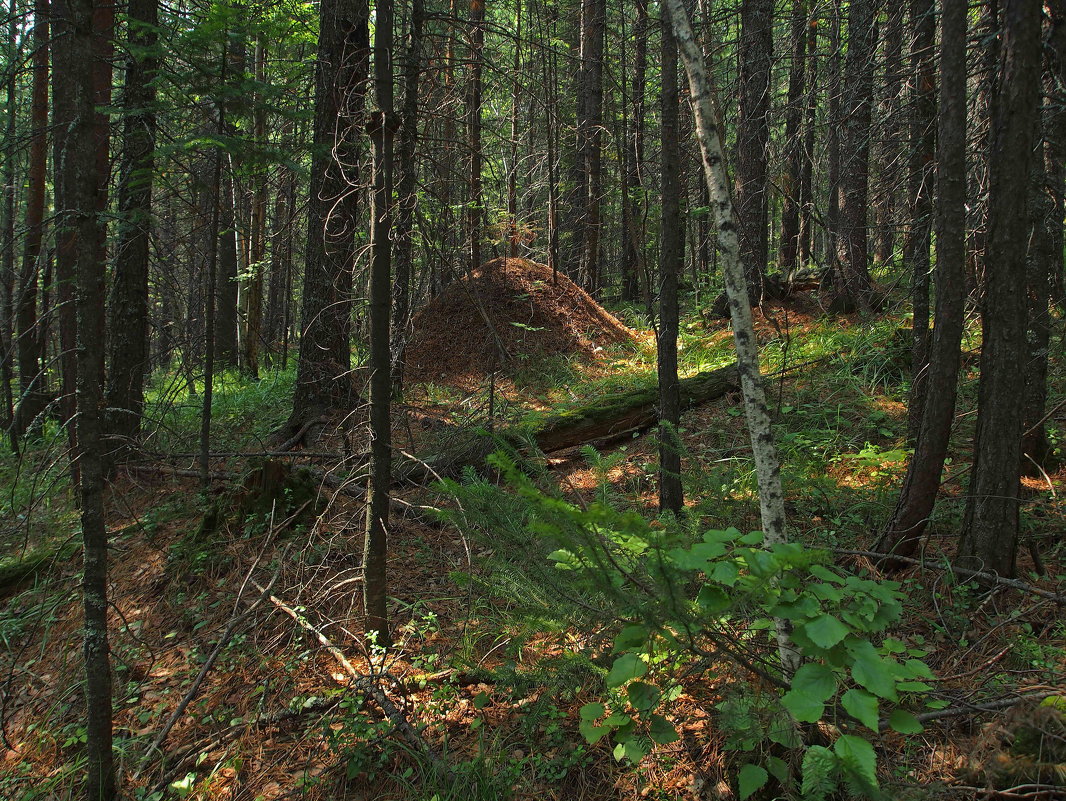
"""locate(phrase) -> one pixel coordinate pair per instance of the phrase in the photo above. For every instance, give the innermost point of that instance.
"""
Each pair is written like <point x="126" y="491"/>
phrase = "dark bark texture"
<point x="753" y="136"/>
<point x="854" y="288"/>
<point x="918" y="496"/>
<point x="323" y="379"/>
<point x="129" y="294"/>
<point x="990" y="524"/>
<point x="671" y="257"/>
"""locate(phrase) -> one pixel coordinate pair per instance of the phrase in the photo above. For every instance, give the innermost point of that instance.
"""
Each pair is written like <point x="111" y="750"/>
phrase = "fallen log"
<point x="607" y="417"/>
<point x="626" y="412"/>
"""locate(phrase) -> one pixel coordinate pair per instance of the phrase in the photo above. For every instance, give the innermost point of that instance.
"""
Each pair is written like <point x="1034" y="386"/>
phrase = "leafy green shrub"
<point x="676" y="594"/>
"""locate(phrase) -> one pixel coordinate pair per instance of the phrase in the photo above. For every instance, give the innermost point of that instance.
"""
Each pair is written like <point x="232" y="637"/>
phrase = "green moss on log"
<point x="608" y="416"/>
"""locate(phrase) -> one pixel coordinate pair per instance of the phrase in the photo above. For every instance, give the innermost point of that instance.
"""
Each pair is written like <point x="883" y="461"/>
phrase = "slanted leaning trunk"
<point x="920" y="487"/>
<point x="767" y="465"/>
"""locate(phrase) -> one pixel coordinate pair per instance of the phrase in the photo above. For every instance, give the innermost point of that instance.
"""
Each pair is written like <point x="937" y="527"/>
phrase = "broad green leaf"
<point x="858" y="758"/>
<point x="862" y="706"/>
<point x="725" y="573"/>
<point x="816" y="680"/>
<point x="750" y="779"/>
<point x="904" y="722"/>
<point x="712" y="599"/>
<point x="783" y="731"/>
<point x="661" y="730"/>
<point x="591" y="732"/>
<point x="632" y="636"/>
<point x="592" y="711"/>
<point x="643" y="696"/>
<point x="636" y="749"/>
<point x="913" y="686"/>
<point x="811" y="686"/>
<point x="826" y="631"/>
<point x="825" y="574"/>
<point x="826" y="592"/>
<point x="626" y="667"/>
<point x="761" y="563"/>
<point x="728" y="535"/>
<point x="918" y="669"/>
<point x="871" y="671"/>
<point x="802" y="707"/>
<point x="778" y="768"/>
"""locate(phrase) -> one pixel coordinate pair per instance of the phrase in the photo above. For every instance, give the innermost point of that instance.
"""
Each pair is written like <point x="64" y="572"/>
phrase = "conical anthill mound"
<point x="507" y="308"/>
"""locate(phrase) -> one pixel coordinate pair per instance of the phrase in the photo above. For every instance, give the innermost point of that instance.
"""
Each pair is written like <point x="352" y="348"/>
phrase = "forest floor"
<point x="490" y="669"/>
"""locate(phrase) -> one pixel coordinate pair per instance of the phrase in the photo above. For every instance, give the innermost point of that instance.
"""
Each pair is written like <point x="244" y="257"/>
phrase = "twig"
<point x="203" y="746"/>
<point x="236" y="620"/>
<point x="363" y="682"/>
<point x="983" y="666"/>
<point x="292" y="441"/>
<point x="246" y="454"/>
<point x="156" y="469"/>
<point x="962" y="571"/>
<point x="991" y="706"/>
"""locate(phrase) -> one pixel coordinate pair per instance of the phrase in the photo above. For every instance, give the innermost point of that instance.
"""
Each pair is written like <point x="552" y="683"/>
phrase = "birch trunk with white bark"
<point x="767" y="464"/>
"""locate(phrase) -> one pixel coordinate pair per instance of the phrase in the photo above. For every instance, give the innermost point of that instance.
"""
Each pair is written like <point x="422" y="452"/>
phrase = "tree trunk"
<point x="854" y="289"/>
<point x="671" y="492"/>
<point x="832" y="142"/>
<point x="253" y="286"/>
<point x="1045" y="249"/>
<point x="31" y="398"/>
<point x="806" y="195"/>
<point x="7" y="265"/>
<point x="407" y="193"/>
<point x="920" y="487"/>
<point x="607" y="418"/>
<point x="764" y="451"/>
<point x="551" y="73"/>
<point x="375" y="553"/>
<point x="512" y="165"/>
<point x="215" y="246"/>
<point x="634" y="161"/>
<point x="990" y="524"/>
<point x="225" y="292"/>
<point x="1035" y="446"/>
<point x="64" y="120"/>
<point x="281" y="236"/>
<point x="474" y="210"/>
<point x="593" y="26"/>
<point x="790" y="181"/>
<point x="129" y="294"/>
<point x="77" y="169"/>
<point x="888" y="157"/>
<point x="1055" y="149"/>
<point x="919" y="233"/>
<point x="322" y="375"/>
<point x="753" y="138"/>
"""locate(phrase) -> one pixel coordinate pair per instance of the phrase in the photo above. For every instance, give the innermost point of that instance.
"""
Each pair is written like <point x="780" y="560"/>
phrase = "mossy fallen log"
<point x="609" y="416"/>
<point x="628" y="411"/>
<point x="15" y="572"/>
